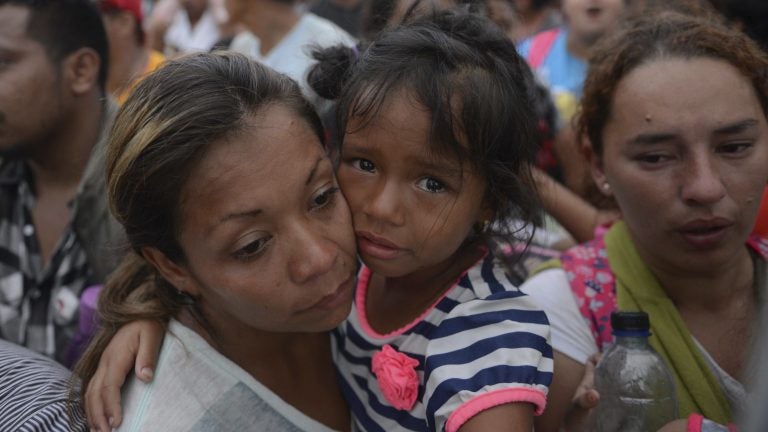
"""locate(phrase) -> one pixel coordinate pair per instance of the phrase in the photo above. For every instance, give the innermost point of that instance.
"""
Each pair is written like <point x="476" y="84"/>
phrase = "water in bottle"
<point x="637" y="390"/>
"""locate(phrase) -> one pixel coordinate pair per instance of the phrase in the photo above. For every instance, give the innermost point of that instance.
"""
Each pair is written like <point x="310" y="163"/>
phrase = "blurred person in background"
<point x="536" y="16"/>
<point x="56" y="234"/>
<point x="182" y="26"/>
<point x="130" y="57"/>
<point x="559" y="57"/>
<point x="344" y="13"/>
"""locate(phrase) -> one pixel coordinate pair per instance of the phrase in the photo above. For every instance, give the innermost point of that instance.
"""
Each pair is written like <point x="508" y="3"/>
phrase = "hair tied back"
<point x="328" y="75"/>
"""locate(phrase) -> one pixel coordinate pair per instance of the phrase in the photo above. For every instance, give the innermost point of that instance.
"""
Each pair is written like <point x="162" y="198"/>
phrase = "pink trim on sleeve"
<point x="694" y="422"/>
<point x="495" y="398"/>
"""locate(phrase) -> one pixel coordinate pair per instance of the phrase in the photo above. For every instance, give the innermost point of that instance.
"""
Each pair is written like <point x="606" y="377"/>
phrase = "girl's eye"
<point x="364" y="165"/>
<point x="429" y="184"/>
<point x="252" y="249"/>
<point x="325" y="197"/>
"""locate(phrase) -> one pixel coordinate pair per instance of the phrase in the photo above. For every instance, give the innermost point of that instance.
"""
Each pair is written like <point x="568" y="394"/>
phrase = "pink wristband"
<point x="694" y="422"/>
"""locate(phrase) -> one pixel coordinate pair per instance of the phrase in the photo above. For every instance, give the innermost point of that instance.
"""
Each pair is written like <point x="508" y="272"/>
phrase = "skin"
<point x="50" y="115"/>
<point x="590" y="19"/>
<point x="691" y="169"/>
<point x="128" y="58"/>
<point x="29" y="84"/>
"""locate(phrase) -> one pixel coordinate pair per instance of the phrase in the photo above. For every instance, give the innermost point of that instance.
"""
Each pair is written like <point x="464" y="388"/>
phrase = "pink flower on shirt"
<point x="396" y="373"/>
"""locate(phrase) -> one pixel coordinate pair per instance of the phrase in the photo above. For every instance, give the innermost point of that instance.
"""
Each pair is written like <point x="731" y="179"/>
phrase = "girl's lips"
<point x="376" y="247"/>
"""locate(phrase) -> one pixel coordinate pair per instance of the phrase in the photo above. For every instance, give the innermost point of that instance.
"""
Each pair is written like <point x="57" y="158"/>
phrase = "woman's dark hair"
<point x="473" y="82"/>
<point x="659" y="36"/>
<point x="161" y="132"/>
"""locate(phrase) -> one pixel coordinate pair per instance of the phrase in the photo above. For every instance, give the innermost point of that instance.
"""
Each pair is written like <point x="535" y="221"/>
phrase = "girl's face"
<point x="265" y="233"/>
<point x="686" y="157"/>
<point x="411" y="209"/>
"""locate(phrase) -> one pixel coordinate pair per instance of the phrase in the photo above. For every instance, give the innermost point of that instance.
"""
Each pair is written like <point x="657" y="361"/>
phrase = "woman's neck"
<point x="711" y="291"/>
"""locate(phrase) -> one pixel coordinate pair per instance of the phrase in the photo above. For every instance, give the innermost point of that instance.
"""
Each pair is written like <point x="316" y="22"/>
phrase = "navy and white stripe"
<point x="483" y="335"/>
<point x="35" y="393"/>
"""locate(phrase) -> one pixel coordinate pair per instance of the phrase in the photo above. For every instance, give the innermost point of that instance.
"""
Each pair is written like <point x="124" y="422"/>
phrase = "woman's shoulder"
<point x="197" y="388"/>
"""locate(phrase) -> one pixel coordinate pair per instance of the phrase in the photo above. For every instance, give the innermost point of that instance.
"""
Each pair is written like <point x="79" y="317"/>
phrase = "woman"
<point x="216" y="170"/>
<point x="674" y="116"/>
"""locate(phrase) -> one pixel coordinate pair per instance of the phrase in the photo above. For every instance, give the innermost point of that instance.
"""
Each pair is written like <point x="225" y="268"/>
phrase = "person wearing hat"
<point x="130" y="57"/>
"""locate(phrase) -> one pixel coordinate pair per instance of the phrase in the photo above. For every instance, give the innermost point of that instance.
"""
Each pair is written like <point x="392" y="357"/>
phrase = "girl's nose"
<point x="385" y="204"/>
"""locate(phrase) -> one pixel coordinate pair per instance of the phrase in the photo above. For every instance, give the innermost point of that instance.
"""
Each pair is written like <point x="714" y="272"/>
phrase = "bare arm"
<point x="135" y="345"/>
<point x="576" y="215"/>
<point x="511" y="417"/>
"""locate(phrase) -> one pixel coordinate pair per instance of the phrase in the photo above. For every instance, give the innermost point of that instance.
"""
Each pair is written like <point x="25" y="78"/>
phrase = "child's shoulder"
<point x="487" y="279"/>
<point x="485" y="292"/>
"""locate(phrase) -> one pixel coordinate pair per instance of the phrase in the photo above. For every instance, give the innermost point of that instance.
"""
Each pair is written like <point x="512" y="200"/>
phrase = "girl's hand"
<point x="585" y="399"/>
<point x="137" y="341"/>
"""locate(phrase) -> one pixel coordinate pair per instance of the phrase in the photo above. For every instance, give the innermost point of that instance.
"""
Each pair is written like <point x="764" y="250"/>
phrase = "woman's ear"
<point x="175" y="274"/>
<point x="596" y="167"/>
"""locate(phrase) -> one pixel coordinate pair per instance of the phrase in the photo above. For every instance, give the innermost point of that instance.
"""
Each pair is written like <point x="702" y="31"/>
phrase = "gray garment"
<point x="195" y="388"/>
<point x="102" y="237"/>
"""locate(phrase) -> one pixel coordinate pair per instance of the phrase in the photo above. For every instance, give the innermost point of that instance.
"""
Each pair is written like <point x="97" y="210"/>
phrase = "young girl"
<point x="434" y="160"/>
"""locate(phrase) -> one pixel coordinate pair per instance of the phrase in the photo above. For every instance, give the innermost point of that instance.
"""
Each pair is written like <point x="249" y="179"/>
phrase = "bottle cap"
<point x="630" y="321"/>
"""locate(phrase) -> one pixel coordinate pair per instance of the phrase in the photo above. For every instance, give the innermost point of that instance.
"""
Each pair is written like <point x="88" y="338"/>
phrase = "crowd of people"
<point x="377" y="215"/>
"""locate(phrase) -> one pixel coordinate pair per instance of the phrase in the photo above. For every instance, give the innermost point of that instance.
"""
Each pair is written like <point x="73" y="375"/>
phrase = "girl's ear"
<point x="596" y="167"/>
<point x="175" y="274"/>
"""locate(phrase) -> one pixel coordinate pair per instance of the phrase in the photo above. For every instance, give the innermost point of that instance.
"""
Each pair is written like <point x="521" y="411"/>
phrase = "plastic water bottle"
<point x="637" y="390"/>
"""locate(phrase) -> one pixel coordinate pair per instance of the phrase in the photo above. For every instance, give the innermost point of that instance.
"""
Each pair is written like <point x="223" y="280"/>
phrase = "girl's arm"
<point x="137" y="345"/>
<point x="575" y="214"/>
<point x="570" y="396"/>
<point x="512" y="417"/>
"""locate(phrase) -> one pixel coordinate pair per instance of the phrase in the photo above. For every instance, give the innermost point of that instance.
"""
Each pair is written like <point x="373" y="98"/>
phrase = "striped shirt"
<point x="38" y="301"/>
<point x="484" y="343"/>
<point x="34" y="393"/>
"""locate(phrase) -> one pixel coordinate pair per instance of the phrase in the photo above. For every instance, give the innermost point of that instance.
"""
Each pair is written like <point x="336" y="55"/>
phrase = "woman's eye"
<point x="430" y="184"/>
<point x="735" y="148"/>
<point x="652" y="158"/>
<point x="252" y="249"/>
<point x="364" y="165"/>
<point x="324" y="198"/>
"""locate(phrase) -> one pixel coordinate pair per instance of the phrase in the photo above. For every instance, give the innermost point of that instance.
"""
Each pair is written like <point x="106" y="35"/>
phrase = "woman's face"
<point x="266" y="234"/>
<point x="686" y="158"/>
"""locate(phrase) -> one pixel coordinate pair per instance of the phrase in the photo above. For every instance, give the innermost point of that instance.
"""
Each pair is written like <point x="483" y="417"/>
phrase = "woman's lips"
<point x="705" y="233"/>
<point x="342" y="295"/>
<point x="376" y="247"/>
